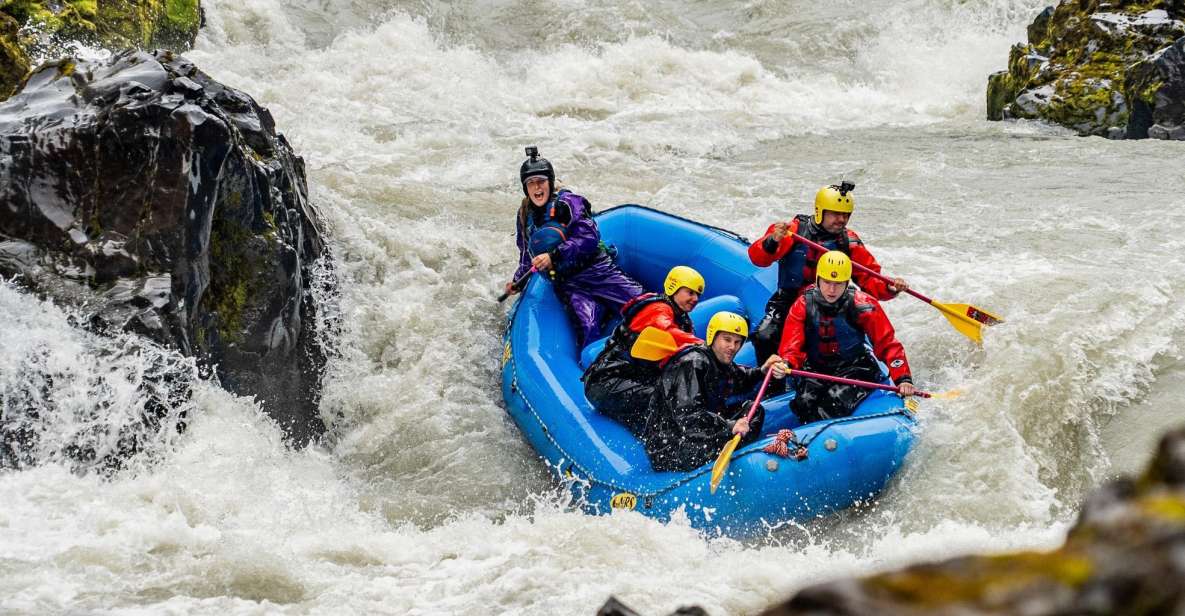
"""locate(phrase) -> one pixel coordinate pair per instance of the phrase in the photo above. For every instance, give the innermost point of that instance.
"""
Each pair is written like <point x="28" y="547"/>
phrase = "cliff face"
<point x="1100" y="68"/>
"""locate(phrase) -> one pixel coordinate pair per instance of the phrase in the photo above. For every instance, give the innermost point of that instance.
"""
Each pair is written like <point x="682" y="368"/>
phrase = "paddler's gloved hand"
<point x="906" y="389"/>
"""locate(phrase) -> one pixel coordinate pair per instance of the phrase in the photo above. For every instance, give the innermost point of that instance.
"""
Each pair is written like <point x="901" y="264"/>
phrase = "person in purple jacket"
<point x="556" y="234"/>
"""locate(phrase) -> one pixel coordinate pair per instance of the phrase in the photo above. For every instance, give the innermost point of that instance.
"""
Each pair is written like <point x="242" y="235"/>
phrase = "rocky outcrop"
<point x="47" y="28"/>
<point x="161" y="202"/>
<point x="1100" y="68"/>
<point x="1125" y="555"/>
<point x="1155" y="91"/>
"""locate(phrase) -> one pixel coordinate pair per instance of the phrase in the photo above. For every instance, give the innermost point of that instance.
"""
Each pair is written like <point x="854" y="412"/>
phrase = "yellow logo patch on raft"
<point x="624" y="500"/>
<point x="505" y="354"/>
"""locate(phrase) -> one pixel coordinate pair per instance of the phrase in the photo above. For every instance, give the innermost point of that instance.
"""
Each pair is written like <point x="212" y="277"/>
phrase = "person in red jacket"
<point x="796" y="261"/>
<point x="825" y="332"/>
<point x="617" y="383"/>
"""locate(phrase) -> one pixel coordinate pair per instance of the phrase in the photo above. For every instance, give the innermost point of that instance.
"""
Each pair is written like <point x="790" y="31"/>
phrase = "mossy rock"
<point x="1072" y="71"/>
<point x="1121" y="557"/>
<point x="50" y="27"/>
<point x="213" y="202"/>
<point x="1155" y="91"/>
<point x="14" y="62"/>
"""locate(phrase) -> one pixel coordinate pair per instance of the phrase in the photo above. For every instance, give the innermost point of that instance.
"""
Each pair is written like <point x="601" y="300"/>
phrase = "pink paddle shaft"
<point x="760" y="393"/>
<point x="862" y="268"/>
<point x="846" y="381"/>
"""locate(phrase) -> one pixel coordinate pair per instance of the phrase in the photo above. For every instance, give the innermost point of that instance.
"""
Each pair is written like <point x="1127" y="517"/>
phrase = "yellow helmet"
<point x="730" y="322"/>
<point x="682" y="276"/>
<point x="834" y="198"/>
<point x="834" y="266"/>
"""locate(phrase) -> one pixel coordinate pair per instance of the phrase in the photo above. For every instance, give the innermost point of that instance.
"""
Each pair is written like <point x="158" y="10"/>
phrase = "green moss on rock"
<point x="112" y="24"/>
<point x="14" y="62"/>
<point x="976" y="579"/>
<point x="232" y="271"/>
<point x="1074" y="70"/>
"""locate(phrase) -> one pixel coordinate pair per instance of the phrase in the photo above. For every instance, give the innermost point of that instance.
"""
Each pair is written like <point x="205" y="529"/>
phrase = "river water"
<point x="412" y="117"/>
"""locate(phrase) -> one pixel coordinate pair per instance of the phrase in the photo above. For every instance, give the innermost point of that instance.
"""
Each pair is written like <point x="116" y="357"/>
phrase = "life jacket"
<point x="547" y="227"/>
<point x="623" y="337"/>
<point x="793" y="266"/>
<point x="833" y="336"/>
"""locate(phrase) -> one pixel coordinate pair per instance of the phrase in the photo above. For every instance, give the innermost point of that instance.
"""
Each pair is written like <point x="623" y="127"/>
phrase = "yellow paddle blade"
<point x="946" y="395"/>
<point x="722" y="461"/>
<point x="653" y="344"/>
<point x="959" y="317"/>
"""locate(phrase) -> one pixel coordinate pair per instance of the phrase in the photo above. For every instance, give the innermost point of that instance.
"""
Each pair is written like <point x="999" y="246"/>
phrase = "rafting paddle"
<point x="954" y="393"/>
<point x="517" y="285"/>
<point x="654" y="344"/>
<point x="967" y="319"/>
<point x="725" y="456"/>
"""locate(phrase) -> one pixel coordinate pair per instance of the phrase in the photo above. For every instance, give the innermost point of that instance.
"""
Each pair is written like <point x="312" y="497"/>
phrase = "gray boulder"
<point x="159" y="201"/>
<point x="1156" y="88"/>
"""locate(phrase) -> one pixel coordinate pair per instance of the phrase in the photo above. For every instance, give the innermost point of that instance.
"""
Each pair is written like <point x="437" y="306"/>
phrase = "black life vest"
<point x="833" y="334"/>
<point x="792" y="264"/>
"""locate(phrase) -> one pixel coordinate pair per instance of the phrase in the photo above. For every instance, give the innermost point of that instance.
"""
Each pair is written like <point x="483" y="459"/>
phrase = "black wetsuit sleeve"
<point x="749" y="379"/>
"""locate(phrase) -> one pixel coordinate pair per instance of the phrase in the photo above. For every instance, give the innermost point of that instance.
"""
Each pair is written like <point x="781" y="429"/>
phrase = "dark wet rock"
<point x="1100" y="68"/>
<point x="613" y="607"/>
<point x="1155" y="88"/>
<point x="1125" y="555"/>
<point x="162" y="202"/>
<point x="48" y="28"/>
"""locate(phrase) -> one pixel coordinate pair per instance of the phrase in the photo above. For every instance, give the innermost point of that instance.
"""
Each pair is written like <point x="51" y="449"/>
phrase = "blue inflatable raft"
<point x="606" y="467"/>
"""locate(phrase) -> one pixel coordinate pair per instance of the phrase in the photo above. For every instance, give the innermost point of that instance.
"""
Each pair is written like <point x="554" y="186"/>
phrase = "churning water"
<point x="412" y="117"/>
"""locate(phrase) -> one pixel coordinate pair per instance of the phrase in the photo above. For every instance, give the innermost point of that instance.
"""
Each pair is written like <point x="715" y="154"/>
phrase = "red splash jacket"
<point x="792" y="255"/>
<point x="662" y="316"/>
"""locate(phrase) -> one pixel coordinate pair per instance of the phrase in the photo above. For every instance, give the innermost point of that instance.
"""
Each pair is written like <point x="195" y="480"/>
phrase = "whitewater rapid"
<point x="425" y="499"/>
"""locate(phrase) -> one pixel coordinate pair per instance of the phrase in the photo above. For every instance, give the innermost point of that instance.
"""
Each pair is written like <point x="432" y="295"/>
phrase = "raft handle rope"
<point x="781" y="446"/>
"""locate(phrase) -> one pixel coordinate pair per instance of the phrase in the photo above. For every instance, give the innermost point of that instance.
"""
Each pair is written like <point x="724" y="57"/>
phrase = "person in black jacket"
<point x="618" y="384"/>
<point x="689" y="419"/>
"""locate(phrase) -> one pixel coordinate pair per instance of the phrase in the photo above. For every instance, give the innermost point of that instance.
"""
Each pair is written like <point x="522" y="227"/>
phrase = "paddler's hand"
<point x="777" y="364"/>
<point x="741" y="427"/>
<point x="510" y="290"/>
<point x="898" y="285"/>
<point x="906" y="389"/>
<point x="780" y="229"/>
<point x="542" y="262"/>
